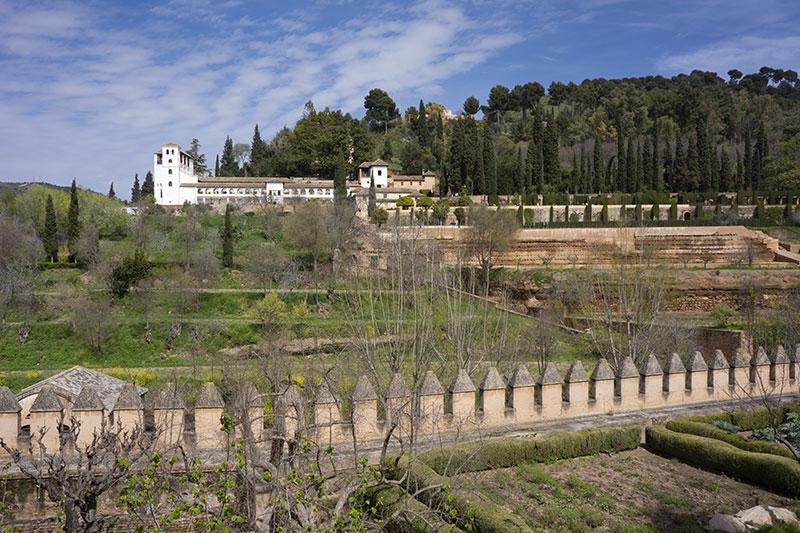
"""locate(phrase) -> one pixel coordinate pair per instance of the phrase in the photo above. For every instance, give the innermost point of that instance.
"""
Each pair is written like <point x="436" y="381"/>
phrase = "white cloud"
<point x="748" y="54"/>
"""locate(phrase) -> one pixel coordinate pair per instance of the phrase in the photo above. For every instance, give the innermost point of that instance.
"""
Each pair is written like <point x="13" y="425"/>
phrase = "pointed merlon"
<point x="251" y="395"/>
<point x="462" y="383"/>
<point x="521" y="378"/>
<point x="8" y="403"/>
<point x="493" y="380"/>
<point x="430" y="385"/>
<point x="780" y="357"/>
<point x="576" y="373"/>
<point x="651" y="366"/>
<point x="760" y="358"/>
<point x="168" y="398"/>
<point x="290" y="398"/>
<point x="602" y="371"/>
<point x="739" y="360"/>
<point x="697" y="363"/>
<point x="87" y="400"/>
<point x="628" y="369"/>
<point x="550" y="376"/>
<point x="129" y="399"/>
<point x="325" y="394"/>
<point x="363" y="391"/>
<point x="397" y="388"/>
<point x="674" y="365"/>
<point x="209" y="398"/>
<point x="46" y="401"/>
<point x="795" y="354"/>
<point x="718" y="361"/>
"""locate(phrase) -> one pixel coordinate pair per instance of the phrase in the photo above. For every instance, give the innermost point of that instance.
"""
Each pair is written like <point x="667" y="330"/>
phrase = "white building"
<point x="176" y="183"/>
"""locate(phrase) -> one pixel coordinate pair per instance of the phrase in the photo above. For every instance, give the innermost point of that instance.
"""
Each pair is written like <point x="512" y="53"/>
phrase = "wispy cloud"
<point x="746" y="53"/>
<point x="101" y="97"/>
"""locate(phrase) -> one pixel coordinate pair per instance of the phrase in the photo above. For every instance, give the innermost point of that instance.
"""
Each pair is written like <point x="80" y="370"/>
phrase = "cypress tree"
<point x="148" y="187"/>
<point x="622" y="176"/>
<point x="747" y="182"/>
<point x="576" y="173"/>
<point x="552" y="169"/>
<point x="630" y="171"/>
<point x="423" y="129"/>
<point x="216" y="168"/>
<point x="725" y="179"/>
<point x="640" y="183"/>
<point x="703" y="159"/>
<point x="761" y="153"/>
<point x="647" y="166"/>
<point x="739" y="183"/>
<point x="715" y="170"/>
<point x="480" y="170"/>
<point x="489" y="163"/>
<point x="371" y="204"/>
<point x="669" y="168"/>
<point x="339" y="179"/>
<point x="585" y="171"/>
<point x="386" y="155"/>
<point x="520" y="173"/>
<point x="598" y="166"/>
<point x="73" y="221"/>
<point x="111" y="193"/>
<point x="227" y="163"/>
<point x="587" y="211"/>
<point x="136" y="191"/>
<point x="50" y="232"/>
<point x="258" y="148"/>
<point x="655" y="173"/>
<point x="693" y="164"/>
<point x="227" y="239"/>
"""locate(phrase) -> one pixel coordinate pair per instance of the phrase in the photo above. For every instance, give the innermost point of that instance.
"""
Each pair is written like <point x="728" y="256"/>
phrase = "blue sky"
<point x="91" y="89"/>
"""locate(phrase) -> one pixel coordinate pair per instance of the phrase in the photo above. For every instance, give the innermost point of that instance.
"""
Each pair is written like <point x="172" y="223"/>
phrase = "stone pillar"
<point x="168" y="411"/>
<point x="651" y="382"/>
<point x="740" y="374"/>
<point x="88" y="411"/>
<point x="492" y="393"/>
<point x="327" y="416"/>
<point x="576" y="391"/>
<point x="207" y="415"/>
<point x="719" y="376"/>
<point x="601" y="387"/>
<point x="779" y="371"/>
<point x="697" y="378"/>
<point x="398" y="403"/>
<point x="551" y="392"/>
<point x="9" y="418"/>
<point x="46" y="415"/>
<point x="365" y="410"/>
<point x="291" y="412"/>
<point x="523" y="395"/>
<point x="462" y="398"/>
<point x="431" y="404"/>
<point x="794" y="360"/>
<point x="760" y="371"/>
<point x="674" y="383"/>
<point x="250" y="401"/>
<point x="627" y="385"/>
<point x="127" y="415"/>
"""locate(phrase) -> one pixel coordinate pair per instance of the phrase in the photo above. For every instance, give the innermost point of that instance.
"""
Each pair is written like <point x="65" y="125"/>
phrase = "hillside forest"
<point x="694" y="133"/>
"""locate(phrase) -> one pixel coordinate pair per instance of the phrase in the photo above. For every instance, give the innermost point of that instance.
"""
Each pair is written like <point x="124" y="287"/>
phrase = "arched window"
<point x="170" y="161"/>
<point x="170" y="171"/>
<point x="170" y="184"/>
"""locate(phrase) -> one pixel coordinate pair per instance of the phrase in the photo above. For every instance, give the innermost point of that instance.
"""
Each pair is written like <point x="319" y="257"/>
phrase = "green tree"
<point x="783" y="171"/>
<point x="270" y="312"/>
<point x="372" y="201"/>
<point x="111" y="193"/>
<point x="404" y="202"/>
<point x="73" y="221"/>
<point x="599" y="182"/>
<point x="412" y="157"/>
<point x="387" y="153"/>
<point x="489" y="161"/>
<point x="50" y="232"/>
<point x="227" y="239"/>
<point x="258" y="152"/>
<point x="381" y="110"/>
<point x="499" y="102"/>
<point x="134" y="268"/>
<point x="198" y="158"/>
<point x="136" y="191"/>
<point x="471" y="105"/>
<point x="379" y="216"/>
<point x="340" y="179"/>
<point x="148" y="186"/>
<point x="227" y="164"/>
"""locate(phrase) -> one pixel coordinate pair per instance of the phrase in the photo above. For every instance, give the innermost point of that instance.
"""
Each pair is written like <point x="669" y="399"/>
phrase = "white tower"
<point x="171" y="168"/>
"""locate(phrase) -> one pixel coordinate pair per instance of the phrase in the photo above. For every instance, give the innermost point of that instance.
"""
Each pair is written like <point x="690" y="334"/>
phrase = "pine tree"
<point x="136" y="191"/>
<point x="50" y="232"/>
<point x="372" y="197"/>
<point x="598" y="182"/>
<point x="148" y="187"/>
<point x="227" y="162"/>
<point x="198" y="158"/>
<point x="111" y="193"/>
<point x="73" y="221"/>
<point x="227" y="239"/>
<point x="340" y="179"/>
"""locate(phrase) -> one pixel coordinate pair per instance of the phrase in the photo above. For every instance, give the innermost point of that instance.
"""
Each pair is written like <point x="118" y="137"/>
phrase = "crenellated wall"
<point x="462" y="408"/>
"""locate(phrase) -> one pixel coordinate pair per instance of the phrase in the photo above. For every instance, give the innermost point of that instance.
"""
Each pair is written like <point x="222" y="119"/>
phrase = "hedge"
<point x="508" y="452"/>
<point x="385" y="500"/>
<point x="712" y="432"/>
<point x="775" y="472"/>
<point x="747" y="420"/>
<point x="471" y="508"/>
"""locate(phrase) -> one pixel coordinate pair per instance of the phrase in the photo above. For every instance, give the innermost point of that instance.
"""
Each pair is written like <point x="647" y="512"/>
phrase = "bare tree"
<point x="308" y="230"/>
<point x="90" y="315"/>
<point x="187" y="235"/>
<point x="19" y="251"/>
<point x="490" y="233"/>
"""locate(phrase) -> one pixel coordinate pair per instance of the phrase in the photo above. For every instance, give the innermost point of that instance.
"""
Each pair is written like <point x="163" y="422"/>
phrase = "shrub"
<point x="134" y="268"/>
<point x="270" y="311"/>
<point x="503" y="453"/>
<point x="528" y="214"/>
<point x="775" y="472"/>
<point x="727" y="217"/>
<point x="494" y="199"/>
<point x="726" y="426"/>
<point x="714" y="431"/>
<point x="724" y="315"/>
<point x="385" y="500"/>
<point x="380" y="216"/>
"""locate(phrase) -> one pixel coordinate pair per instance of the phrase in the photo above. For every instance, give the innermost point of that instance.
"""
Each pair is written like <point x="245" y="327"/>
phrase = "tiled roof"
<point x="88" y="400"/>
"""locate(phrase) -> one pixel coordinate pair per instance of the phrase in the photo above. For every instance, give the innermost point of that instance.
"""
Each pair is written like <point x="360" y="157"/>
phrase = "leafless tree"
<point x="490" y="233"/>
<point x="19" y="251"/>
<point x="87" y="249"/>
<point x="90" y="315"/>
<point x="187" y="235"/>
<point x="308" y="230"/>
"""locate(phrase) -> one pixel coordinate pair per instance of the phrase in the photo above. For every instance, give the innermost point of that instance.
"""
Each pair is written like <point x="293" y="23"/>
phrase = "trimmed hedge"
<point x="775" y="472"/>
<point x="505" y="453"/>
<point x="470" y="508"/>
<point x="747" y="420"/>
<point x="712" y="432"/>
<point x="387" y="499"/>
